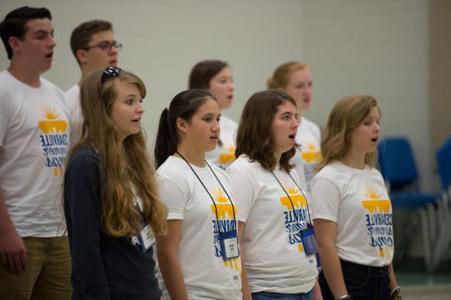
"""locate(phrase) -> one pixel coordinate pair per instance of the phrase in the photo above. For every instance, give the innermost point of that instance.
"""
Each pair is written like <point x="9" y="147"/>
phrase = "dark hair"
<point x="184" y="105"/>
<point x="203" y="72"/>
<point x="255" y="138"/>
<point x="15" y="22"/>
<point x="81" y="35"/>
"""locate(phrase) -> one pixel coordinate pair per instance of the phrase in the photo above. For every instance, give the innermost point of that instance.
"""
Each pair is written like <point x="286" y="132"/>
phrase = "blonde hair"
<point x="123" y="164"/>
<point x="347" y="114"/>
<point x="282" y="73"/>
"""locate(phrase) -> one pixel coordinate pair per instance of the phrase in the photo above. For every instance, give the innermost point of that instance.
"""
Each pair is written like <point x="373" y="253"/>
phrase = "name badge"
<point x="146" y="238"/>
<point x="229" y="244"/>
<point x="309" y="240"/>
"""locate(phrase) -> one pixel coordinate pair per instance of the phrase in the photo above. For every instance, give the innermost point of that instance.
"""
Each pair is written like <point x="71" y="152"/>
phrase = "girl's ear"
<point x="181" y="124"/>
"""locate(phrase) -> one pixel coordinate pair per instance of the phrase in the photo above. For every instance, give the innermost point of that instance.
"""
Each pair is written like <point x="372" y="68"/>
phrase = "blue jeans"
<point x="280" y="296"/>
<point x="362" y="282"/>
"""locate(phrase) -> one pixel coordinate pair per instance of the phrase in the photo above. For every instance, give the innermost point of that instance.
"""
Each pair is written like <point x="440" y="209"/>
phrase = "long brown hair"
<point x="347" y="114"/>
<point x="123" y="164"/>
<point x="255" y="137"/>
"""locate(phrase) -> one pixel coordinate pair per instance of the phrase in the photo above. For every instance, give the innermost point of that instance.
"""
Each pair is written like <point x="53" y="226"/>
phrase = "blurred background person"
<point x="216" y="77"/>
<point x="295" y="79"/>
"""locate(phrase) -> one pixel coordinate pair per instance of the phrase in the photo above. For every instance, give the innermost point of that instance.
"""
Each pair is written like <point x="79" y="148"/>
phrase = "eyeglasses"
<point x="106" y="46"/>
<point x="109" y="73"/>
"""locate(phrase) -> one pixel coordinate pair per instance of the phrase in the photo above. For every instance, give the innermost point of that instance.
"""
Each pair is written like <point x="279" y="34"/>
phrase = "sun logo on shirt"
<point x="298" y="200"/>
<point x="311" y="154"/>
<point x="375" y="205"/>
<point x="52" y="124"/>
<point x="227" y="156"/>
<point x="372" y="193"/>
<point x="223" y="206"/>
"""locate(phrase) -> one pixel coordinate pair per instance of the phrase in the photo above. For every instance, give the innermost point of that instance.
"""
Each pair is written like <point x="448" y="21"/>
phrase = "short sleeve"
<point x="173" y="196"/>
<point x="243" y="191"/>
<point x="325" y="200"/>
<point x="5" y="117"/>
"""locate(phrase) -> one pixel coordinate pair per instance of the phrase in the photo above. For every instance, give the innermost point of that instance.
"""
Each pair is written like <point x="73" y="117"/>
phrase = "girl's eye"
<point x="129" y="101"/>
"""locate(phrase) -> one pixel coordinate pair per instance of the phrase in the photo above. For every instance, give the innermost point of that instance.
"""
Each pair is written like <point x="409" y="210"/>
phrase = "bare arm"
<point x="395" y="291"/>
<point x="317" y="295"/>
<point x="245" y="289"/>
<point x="167" y="252"/>
<point x="13" y="253"/>
<point x="326" y="233"/>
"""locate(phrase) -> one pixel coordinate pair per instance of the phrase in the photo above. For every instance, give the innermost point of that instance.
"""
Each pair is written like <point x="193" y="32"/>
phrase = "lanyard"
<point x="288" y="195"/>
<point x="211" y="197"/>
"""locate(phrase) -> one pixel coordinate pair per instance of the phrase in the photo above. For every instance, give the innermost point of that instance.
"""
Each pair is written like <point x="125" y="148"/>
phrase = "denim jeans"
<point x="280" y="296"/>
<point x="362" y="282"/>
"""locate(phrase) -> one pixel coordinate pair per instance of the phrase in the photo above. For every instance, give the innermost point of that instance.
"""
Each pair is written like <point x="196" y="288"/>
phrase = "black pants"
<point x="362" y="282"/>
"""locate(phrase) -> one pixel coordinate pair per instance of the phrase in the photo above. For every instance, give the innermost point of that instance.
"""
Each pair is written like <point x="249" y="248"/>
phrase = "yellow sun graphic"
<point x="220" y="196"/>
<point x="292" y="190"/>
<point x="50" y="113"/>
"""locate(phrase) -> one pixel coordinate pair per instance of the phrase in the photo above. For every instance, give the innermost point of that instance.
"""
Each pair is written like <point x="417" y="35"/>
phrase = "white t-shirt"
<point x="34" y="138"/>
<point x="306" y="160"/>
<point x="357" y="200"/>
<point x="275" y="258"/>
<point x="206" y="274"/>
<point x="224" y="154"/>
<point x="72" y="96"/>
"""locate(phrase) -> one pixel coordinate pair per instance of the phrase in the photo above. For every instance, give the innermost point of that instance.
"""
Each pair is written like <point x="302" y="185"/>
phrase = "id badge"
<point x="146" y="238"/>
<point x="229" y="244"/>
<point x="309" y="240"/>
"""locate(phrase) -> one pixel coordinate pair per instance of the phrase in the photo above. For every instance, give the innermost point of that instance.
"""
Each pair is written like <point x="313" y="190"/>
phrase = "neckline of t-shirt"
<point x="196" y="168"/>
<point x="357" y="170"/>
<point x="33" y="88"/>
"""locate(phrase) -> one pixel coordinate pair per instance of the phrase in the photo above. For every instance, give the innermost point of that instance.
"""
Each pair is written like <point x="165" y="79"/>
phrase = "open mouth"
<point x="50" y="55"/>
<point x="292" y="136"/>
<point x="374" y="139"/>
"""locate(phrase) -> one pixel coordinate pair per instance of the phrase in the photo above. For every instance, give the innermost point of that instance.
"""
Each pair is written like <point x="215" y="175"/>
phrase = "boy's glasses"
<point x="106" y="46"/>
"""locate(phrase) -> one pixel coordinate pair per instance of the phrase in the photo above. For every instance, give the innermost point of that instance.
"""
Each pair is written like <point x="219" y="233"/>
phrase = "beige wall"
<point x="440" y="72"/>
<point x="379" y="48"/>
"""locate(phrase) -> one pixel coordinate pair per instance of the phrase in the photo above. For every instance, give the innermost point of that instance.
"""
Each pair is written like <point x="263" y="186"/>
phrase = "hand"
<point x="13" y="253"/>
<point x="396" y="294"/>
